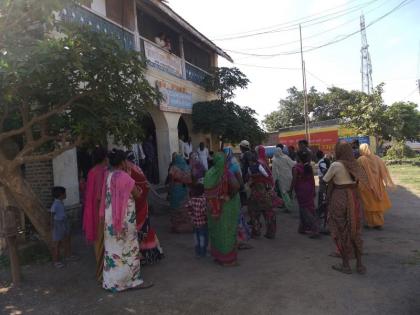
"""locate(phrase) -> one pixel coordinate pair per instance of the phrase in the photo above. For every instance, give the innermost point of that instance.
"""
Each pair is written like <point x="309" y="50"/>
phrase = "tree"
<point x="368" y="116"/>
<point x="404" y="121"/>
<point x="224" y="81"/>
<point x="231" y="122"/>
<point x="59" y="92"/>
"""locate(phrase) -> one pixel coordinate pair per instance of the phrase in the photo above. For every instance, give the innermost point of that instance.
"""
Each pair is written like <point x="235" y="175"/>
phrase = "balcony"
<point x="85" y="16"/>
<point x="156" y="57"/>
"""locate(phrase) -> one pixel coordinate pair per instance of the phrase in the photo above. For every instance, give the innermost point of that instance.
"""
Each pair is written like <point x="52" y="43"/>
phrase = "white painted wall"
<point x="99" y="6"/>
<point x="66" y="175"/>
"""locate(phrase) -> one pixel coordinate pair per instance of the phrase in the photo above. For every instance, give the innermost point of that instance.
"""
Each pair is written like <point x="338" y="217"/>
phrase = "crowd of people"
<point x="222" y="199"/>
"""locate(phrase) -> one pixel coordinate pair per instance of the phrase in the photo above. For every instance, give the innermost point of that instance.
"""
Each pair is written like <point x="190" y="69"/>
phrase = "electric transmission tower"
<point x="366" y="64"/>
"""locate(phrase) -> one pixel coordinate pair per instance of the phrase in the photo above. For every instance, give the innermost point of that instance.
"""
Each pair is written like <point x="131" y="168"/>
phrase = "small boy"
<point x="60" y="228"/>
<point x="197" y="207"/>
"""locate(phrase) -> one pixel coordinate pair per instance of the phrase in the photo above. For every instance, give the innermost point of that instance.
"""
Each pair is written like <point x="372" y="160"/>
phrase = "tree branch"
<point x="50" y="155"/>
<point x="38" y="119"/>
<point x="4" y="117"/>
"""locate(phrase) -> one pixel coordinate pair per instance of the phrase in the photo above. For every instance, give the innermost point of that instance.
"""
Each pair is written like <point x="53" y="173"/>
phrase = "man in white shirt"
<point x="188" y="148"/>
<point x="203" y="153"/>
<point x="181" y="146"/>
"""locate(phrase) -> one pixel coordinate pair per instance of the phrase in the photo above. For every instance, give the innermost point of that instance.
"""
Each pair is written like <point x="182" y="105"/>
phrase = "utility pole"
<point x="305" y="94"/>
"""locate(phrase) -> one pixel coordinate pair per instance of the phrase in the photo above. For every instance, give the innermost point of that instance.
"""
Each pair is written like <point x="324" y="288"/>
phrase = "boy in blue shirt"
<point x="60" y="228"/>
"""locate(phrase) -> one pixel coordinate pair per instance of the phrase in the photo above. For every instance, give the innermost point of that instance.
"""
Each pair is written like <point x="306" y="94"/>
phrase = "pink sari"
<point x="121" y="186"/>
<point x="95" y="181"/>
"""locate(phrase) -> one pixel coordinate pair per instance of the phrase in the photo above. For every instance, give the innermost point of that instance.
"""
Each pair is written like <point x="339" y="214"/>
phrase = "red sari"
<point x="149" y="244"/>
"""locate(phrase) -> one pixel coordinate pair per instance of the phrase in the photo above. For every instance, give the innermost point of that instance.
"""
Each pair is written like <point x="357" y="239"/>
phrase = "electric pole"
<point x="305" y="94"/>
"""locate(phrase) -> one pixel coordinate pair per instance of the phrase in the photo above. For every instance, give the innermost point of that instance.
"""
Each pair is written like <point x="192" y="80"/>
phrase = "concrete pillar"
<point x="166" y="124"/>
<point x="66" y="175"/>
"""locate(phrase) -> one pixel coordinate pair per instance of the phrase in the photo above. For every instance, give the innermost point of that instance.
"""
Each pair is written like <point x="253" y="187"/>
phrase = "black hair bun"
<point x="116" y="157"/>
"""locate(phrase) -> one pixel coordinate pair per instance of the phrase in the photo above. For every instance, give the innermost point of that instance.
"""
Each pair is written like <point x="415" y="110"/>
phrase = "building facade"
<point x="178" y="59"/>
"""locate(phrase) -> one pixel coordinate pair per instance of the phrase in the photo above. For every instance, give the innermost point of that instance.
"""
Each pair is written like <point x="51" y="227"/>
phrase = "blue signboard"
<point x="363" y="139"/>
<point x="174" y="100"/>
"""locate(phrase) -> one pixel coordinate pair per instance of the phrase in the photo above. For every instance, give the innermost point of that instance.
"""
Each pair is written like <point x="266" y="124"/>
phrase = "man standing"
<point x="188" y="148"/>
<point x="203" y="153"/>
<point x="246" y="156"/>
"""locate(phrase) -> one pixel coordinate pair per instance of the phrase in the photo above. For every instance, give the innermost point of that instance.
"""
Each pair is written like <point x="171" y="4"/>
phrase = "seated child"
<point x="60" y="228"/>
<point x="197" y="208"/>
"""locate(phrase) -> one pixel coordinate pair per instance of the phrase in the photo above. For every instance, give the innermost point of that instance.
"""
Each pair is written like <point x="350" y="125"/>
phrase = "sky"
<point x="394" y="44"/>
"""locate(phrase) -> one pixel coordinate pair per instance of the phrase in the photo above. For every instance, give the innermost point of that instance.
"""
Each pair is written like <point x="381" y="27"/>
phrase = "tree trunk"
<point x="14" y="259"/>
<point x="20" y="193"/>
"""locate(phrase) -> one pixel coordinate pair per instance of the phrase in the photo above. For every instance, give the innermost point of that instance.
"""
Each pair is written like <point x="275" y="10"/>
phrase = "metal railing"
<point x="85" y="16"/>
<point x="195" y="74"/>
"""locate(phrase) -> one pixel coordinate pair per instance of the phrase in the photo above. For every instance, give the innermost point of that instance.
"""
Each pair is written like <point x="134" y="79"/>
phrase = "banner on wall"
<point x="163" y="60"/>
<point x="174" y="98"/>
<point x="323" y="140"/>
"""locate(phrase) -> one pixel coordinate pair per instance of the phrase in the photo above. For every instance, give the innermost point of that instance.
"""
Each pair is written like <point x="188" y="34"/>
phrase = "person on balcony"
<point x="160" y="40"/>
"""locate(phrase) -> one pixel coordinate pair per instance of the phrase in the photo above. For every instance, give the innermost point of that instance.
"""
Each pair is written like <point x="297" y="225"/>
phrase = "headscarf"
<point x="214" y="175"/>
<point x="233" y="164"/>
<point x="282" y="169"/>
<point x="262" y="158"/>
<point x="344" y="154"/>
<point x="180" y="163"/>
<point x="121" y="186"/>
<point x="376" y="170"/>
<point x="197" y="168"/>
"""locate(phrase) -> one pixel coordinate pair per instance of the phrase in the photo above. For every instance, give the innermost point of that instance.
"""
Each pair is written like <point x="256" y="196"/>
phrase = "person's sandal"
<point x="58" y="265"/>
<point x="342" y="269"/>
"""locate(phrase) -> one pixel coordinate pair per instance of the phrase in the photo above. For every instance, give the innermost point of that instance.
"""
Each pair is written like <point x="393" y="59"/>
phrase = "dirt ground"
<point x="289" y="275"/>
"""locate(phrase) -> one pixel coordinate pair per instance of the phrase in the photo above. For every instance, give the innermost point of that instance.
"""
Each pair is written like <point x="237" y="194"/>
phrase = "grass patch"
<point x="408" y="175"/>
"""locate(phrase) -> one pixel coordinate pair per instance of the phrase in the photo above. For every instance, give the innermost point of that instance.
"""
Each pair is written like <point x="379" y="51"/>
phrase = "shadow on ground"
<point x="289" y="275"/>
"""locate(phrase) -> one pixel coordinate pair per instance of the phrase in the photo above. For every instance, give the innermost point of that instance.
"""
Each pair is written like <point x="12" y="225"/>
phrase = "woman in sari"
<point x="179" y="178"/>
<point x="282" y="167"/>
<point x="197" y="168"/>
<point x="261" y="199"/>
<point x="344" y="219"/>
<point x="122" y="253"/>
<point x="244" y="233"/>
<point x="374" y="195"/>
<point x="303" y="183"/>
<point x="92" y="226"/>
<point x="150" y="249"/>
<point x="221" y="190"/>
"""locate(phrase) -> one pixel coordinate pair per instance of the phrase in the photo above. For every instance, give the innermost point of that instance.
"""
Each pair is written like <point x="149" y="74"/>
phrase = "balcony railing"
<point x="84" y="16"/>
<point x="156" y="57"/>
<point x="195" y="74"/>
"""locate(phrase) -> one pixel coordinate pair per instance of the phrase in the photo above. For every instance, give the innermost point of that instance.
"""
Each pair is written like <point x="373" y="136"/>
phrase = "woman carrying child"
<point x="221" y="190"/>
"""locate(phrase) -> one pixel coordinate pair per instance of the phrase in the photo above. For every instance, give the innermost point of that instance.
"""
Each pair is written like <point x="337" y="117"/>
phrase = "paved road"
<point x="289" y="275"/>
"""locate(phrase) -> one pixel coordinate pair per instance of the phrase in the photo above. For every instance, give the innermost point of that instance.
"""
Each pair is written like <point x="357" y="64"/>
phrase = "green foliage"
<point x="368" y="116"/>
<point x="400" y="150"/>
<point x="324" y="106"/>
<point x="404" y="121"/>
<point x="75" y="87"/>
<point x="224" y="81"/>
<point x="230" y="121"/>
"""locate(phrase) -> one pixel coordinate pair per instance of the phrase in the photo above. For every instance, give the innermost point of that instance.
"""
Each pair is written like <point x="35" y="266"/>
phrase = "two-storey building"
<point x="178" y="56"/>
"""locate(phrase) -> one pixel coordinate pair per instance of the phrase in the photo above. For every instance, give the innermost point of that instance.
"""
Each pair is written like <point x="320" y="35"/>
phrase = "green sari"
<point x="223" y="199"/>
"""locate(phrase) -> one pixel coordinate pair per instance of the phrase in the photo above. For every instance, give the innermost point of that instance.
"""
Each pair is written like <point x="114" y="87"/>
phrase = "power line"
<point x="318" y="20"/>
<point x="343" y="37"/>
<point x="316" y="34"/>
<point x="285" y="23"/>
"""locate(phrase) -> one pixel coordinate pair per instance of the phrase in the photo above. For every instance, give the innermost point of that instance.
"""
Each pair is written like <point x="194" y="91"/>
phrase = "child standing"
<point x="60" y="228"/>
<point x="303" y="184"/>
<point x="197" y="208"/>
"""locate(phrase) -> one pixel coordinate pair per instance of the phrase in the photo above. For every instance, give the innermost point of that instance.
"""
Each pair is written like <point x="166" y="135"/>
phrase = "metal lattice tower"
<point x="366" y="64"/>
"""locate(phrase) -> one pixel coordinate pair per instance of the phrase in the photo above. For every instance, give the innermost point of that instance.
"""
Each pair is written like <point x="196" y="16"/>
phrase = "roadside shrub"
<point x="399" y="150"/>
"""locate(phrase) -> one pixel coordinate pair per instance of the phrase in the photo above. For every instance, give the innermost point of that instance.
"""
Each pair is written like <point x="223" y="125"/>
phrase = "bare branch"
<point x="38" y="119"/>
